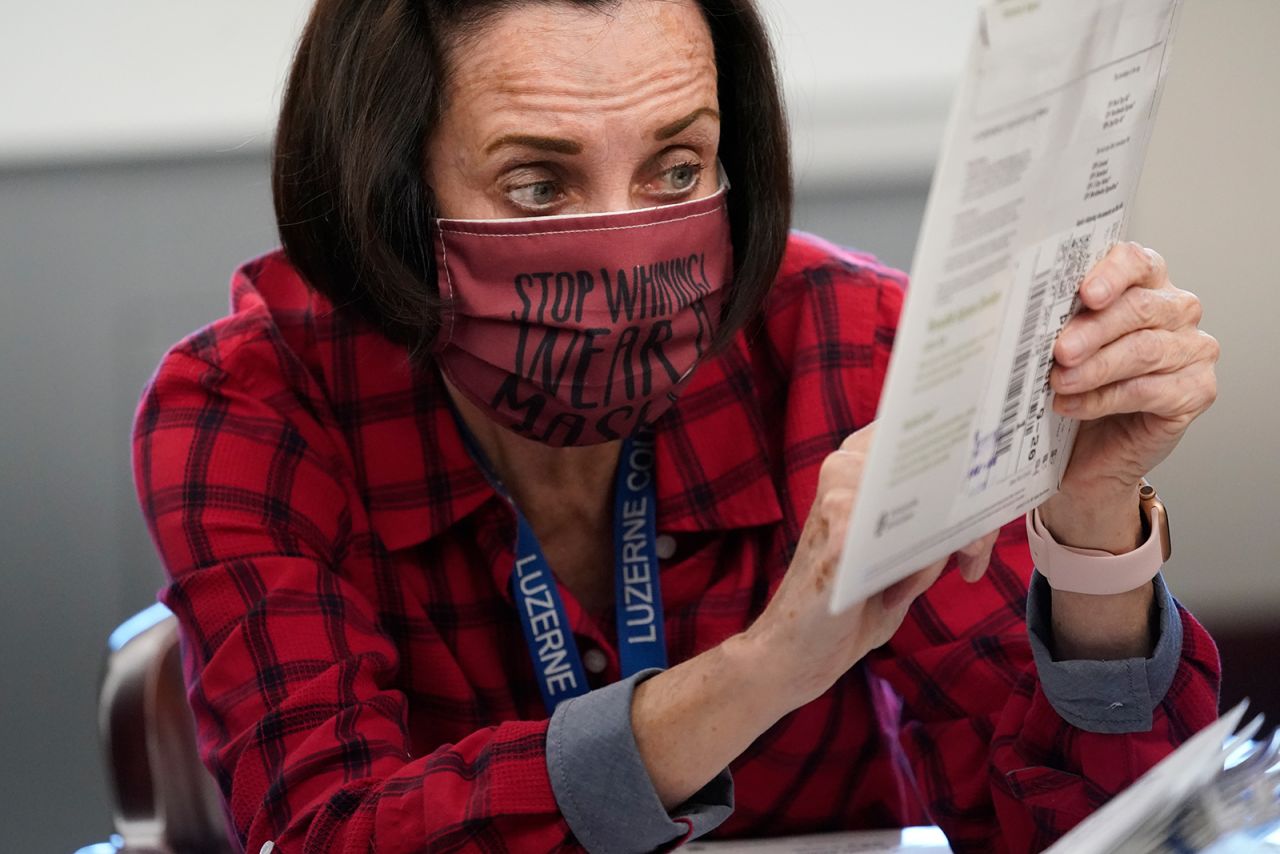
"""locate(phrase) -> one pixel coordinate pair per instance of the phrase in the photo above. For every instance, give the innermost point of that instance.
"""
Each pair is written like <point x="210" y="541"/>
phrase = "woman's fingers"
<point x="842" y="469"/>
<point x="859" y="441"/>
<point x="906" y="591"/>
<point x="1146" y="351"/>
<point x="1127" y="265"/>
<point x="1136" y="309"/>
<point x="1179" y="396"/>
<point x="973" y="559"/>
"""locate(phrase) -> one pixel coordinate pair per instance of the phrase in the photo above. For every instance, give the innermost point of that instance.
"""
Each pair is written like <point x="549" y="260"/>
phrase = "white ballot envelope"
<point x="1157" y="794"/>
<point x="1216" y="793"/>
<point x="1038" y="171"/>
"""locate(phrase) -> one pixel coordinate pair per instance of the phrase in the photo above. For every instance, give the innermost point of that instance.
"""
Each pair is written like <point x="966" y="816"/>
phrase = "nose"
<point x="616" y="195"/>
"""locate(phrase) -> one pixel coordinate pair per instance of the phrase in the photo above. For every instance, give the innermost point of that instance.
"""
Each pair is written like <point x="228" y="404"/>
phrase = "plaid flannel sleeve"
<point x="997" y="764"/>
<point x="291" y="681"/>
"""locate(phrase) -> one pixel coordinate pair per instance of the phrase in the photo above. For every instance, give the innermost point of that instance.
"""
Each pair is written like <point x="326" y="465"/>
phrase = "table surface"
<point x="911" y="840"/>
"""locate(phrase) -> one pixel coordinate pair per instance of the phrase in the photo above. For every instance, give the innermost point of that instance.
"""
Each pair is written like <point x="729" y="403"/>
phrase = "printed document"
<point x="1137" y="819"/>
<point x="1041" y="160"/>
<point x="1159" y="792"/>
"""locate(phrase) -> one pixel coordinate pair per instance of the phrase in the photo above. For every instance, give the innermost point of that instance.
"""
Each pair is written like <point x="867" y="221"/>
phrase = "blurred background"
<point x="134" y="177"/>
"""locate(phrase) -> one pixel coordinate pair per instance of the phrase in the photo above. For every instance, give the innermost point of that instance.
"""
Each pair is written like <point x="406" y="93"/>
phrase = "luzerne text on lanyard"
<point x="638" y="599"/>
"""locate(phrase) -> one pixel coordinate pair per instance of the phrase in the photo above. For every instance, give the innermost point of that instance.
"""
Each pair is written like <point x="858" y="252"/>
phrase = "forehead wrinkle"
<point x="657" y="87"/>
<point x="562" y="78"/>
<point x="666" y="50"/>
<point x="573" y="80"/>
<point x="656" y="84"/>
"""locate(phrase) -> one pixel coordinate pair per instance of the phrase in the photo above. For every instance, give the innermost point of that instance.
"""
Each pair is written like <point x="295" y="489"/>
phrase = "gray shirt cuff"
<point x="1105" y="696"/>
<point x="602" y="787"/>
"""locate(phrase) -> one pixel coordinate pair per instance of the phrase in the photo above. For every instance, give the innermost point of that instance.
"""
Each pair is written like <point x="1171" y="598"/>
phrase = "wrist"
<point x="1105" y="518"/>
<point x="1104" y="628"/>
<point x="693" y="720"/>
<point x="768" y="687"/>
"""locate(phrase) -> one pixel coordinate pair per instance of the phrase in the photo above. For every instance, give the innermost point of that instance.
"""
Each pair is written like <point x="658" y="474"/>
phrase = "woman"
<point x="524" y="347"/>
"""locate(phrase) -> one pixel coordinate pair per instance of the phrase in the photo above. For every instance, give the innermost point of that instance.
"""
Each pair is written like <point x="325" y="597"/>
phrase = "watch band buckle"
<point x="1156" y="516"/>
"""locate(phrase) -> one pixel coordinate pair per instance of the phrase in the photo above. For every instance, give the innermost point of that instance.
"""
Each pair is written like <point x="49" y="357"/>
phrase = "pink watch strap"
<point x="1091" y="570"/>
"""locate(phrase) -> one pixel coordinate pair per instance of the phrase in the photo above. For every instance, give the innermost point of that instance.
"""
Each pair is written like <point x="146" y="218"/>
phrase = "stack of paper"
<point x="1218" y="793"/>
<point x="1216" y="787"/>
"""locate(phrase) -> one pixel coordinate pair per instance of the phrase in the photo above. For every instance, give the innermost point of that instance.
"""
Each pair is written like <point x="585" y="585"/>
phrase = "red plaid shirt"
<point x="340" y="567"/>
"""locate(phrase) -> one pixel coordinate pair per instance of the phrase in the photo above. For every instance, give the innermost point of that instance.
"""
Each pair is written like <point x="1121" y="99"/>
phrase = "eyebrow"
<point x="668" y="131"/>
<point x="542" y="143"/>
<point x="558" y="145"/>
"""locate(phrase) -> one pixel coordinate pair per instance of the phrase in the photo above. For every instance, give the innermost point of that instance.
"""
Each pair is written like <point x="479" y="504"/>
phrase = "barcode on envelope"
<point x="1021" y="364"/>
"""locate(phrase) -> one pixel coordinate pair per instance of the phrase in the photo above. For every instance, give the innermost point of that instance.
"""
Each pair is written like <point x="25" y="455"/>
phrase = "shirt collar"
<point x="712" y="468"/>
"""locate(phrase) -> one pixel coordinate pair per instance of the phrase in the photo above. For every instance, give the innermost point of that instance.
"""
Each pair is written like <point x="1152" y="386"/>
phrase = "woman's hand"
<point x="792" y="653"/>
<point x="1136" y="369"/>
<point x="797" y="633"/>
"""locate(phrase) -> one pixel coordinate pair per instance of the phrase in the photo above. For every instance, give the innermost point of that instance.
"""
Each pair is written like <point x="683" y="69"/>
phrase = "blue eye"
<point x="684" y="176"/>
<point x="540" y="194"/>
<point x="677" y="180"/>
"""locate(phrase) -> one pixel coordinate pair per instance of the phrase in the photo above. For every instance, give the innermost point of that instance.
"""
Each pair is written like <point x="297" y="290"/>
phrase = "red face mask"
<point x="576" y="330"/>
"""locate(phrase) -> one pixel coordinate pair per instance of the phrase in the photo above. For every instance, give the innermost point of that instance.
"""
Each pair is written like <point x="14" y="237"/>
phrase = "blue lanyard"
<point x="557" y="663"/>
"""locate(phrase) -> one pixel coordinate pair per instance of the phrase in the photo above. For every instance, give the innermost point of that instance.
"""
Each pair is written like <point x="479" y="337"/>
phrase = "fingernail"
<point x="1098" y="289"/>
<point x="1069" y="377"/>
<point x="1067" y="404"/>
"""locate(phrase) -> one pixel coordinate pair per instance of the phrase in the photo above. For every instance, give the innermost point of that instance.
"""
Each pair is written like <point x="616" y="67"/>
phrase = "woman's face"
<point x="557" y="109"/>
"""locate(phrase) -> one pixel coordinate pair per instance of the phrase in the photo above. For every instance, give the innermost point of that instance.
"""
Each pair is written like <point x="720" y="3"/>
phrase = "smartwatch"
<point x="1099" y="572"/>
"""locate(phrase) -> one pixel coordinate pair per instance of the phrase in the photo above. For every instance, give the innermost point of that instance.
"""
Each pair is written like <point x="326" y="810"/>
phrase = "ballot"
<point x="1218" y="793"/>
<point x="1035" y="183"/>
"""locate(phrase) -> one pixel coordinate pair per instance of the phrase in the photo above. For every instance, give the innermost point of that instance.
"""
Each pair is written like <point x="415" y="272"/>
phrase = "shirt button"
<point x="665" y="545"/>
<point x="595" y="660"/>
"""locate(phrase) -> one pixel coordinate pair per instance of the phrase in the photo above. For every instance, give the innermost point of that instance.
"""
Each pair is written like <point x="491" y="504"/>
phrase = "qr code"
<point x="1072" y="262"/>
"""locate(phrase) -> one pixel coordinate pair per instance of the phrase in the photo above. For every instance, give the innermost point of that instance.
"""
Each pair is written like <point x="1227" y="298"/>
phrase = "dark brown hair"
<point x="367" y="84"/>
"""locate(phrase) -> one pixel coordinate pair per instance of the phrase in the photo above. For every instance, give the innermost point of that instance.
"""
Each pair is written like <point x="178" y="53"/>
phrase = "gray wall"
<point x="103" y="266"/>
<point x="1209" y="202"/>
